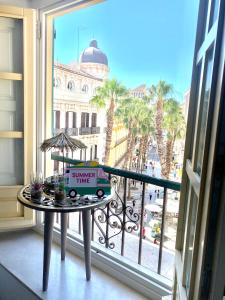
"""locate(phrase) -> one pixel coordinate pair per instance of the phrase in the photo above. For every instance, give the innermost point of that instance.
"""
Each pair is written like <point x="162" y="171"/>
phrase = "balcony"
<point x="133" y="226"/>
<point x="89" y="130"/>
<point x="72" y="131"/>
<point x="120" y="247"/>
<point x="85" y="130"/>
<point x="69" y="131"/>
<point x="95" y="130"/>
<point x="58" y="130"/>
<point x="66" y="279"/>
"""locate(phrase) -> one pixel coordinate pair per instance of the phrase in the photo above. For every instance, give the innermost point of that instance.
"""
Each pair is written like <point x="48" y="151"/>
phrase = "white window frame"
<point x="148" y="283"/>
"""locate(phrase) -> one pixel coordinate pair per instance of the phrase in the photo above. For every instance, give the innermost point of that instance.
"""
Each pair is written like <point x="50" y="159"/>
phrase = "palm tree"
<point x="107" y="96"/>
<point x="169" y="124"/>
<point x="133" y="113"/>
<point x="174" y="124"/>
<point x="137" y="118"/>
<point x="147" y="130"/>
<point x="159" y="93"/>
<point x="126" y="114"/>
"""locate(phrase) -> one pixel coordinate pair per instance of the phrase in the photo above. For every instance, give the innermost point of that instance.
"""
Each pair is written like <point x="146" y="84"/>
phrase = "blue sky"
<point x="145" y="40"/>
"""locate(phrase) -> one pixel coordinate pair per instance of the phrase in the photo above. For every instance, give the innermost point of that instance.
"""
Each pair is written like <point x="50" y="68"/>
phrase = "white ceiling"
<point x="32" y="3"/>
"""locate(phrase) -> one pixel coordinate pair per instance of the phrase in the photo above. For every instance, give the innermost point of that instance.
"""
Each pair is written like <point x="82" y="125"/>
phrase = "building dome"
<point x="93" y="54"/>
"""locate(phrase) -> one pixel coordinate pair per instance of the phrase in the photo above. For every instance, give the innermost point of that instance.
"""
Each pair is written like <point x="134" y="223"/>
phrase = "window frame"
<point x="152" y="284"/>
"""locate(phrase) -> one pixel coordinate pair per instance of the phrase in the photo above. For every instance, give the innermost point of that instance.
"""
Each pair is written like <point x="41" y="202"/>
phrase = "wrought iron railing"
<point x="58" y="130"/>
<point x="121" y="225"/>
<point x="84" y="130"/>
<point x="72" y="131"/>
<point x="95" y="130"/>
<point x="69" y="131"/>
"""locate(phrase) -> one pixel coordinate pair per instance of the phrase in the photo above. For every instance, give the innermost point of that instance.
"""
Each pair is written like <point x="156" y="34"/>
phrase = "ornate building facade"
<point x="74" y="86"/>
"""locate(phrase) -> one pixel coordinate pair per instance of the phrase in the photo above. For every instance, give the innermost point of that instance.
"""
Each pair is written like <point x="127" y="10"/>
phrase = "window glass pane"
<point x="82" y="119"/>
<point x="74" y="120"/>
<point x="94" y="120"/>
<point x="11" y="31"/>
<point x="87" y="120"/>
<point x="11" y="105"/>
<point x="196" y="100"/>
<point x="214" y="12"/>
<point x="203" y="114"/>
<point x="12" y="161"/>
<point x="56" y="119"/>
<point x="190" y="238"/>
<point x="96" y="151"/>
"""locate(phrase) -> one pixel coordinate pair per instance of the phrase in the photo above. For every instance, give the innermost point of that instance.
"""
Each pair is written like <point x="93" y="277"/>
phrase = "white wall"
<point x="37" y="3"/>
<point x="32" y="3"/>
<point x="20" y="3"/>
<point x="46" y="3"/>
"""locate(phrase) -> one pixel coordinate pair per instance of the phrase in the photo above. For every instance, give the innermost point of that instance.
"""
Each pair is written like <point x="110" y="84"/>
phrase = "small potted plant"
<point x="59" y="191"/>
<point x="36" y="188"/>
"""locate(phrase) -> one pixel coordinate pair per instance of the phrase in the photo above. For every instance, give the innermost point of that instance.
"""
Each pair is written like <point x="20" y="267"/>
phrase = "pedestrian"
<point x="174" y="173"/>
<point x="150" y="196"/>
<point x="143" y="232"/>
<point x="133" y="202"/>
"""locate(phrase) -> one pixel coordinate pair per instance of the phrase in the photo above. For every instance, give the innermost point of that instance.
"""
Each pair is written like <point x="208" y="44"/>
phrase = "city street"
<point x="153" y="202"/>
<point x="150" y="251"/>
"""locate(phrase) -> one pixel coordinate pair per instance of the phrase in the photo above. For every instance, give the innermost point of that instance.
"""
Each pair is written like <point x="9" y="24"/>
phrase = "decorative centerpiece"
<point x="61" y="142"/>
<point x="86" y="178"/>
<point x="36" y="187"/>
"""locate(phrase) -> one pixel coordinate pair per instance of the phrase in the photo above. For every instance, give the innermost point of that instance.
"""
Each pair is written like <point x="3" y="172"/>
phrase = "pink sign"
<point x="83" y="177"/>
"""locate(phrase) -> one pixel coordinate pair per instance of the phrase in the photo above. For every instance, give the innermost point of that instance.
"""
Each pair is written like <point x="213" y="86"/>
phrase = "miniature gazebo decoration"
<point x="62" y="142"/>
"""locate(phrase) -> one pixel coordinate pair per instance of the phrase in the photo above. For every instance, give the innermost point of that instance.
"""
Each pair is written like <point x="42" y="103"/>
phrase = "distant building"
<point x="74" y="86"/>
<point x="139" y="92"/>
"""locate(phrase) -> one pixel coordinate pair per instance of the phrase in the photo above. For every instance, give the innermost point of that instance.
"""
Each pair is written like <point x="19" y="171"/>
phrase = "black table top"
<point x="48" y="203"/>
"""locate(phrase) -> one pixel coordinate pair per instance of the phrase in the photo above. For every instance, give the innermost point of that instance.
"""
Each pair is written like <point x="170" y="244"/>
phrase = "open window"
<point x="17" y="112"/>
<point x="202" y="180"/>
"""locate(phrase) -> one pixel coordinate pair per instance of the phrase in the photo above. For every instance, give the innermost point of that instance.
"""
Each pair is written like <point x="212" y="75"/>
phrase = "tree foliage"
<point x="137" y="117"/>
<point x="169" y="124"/>
<point x="107" y="96"/>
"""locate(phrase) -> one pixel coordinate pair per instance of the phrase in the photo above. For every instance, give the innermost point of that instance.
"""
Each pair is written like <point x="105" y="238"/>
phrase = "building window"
<point x="91" y="153"/>
<point x="94" y="120"/>
<point x="71" y="85"/>
<point x="96" y="90"/>
<point x="71" y="119"/>
<point x="84" y="119"/>
<point x="85" y="88"/>
<point x="56" y="82"/>
<point x="96" y="152"/>
<point x="56" y="164"/>
<point x="56" y="119"/>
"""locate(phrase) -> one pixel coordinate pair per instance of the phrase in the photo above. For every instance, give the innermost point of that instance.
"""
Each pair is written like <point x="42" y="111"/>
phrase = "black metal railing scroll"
<point x="117" y="216"/>
<point x="125" y="214"/>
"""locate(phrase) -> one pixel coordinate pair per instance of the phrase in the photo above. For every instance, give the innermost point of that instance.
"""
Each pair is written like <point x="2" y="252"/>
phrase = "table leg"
<point x="48" y="230"/>
<point x="86" y="215"/>
<point x="64" y="222"/>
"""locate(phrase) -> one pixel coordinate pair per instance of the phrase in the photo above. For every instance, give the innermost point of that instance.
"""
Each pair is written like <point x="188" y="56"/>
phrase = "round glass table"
<point x="49" y="206"/>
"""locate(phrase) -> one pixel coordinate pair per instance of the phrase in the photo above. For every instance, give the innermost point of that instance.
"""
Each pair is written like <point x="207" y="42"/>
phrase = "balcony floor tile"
<point x="21" y="252"/>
